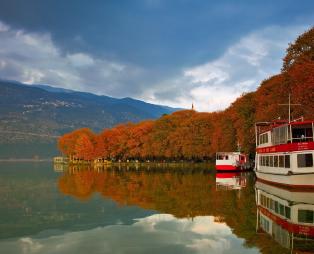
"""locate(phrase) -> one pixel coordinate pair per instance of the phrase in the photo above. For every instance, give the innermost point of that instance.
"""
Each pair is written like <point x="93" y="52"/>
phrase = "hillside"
<point x="50" y="111"/>
<point x="190" y="135"/>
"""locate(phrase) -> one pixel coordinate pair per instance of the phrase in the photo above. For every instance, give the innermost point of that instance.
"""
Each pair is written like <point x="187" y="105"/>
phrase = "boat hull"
<point x="300" y="181"/>
<point x="231" y="168"/>
<point x="226" y="168"/>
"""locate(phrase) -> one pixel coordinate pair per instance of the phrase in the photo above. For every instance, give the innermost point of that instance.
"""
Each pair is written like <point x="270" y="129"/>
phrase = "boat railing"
<point x="302" y="139"/>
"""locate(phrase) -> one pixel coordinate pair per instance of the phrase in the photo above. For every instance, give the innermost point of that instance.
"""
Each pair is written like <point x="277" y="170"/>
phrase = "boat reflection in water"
<point x="288" y="216"/>
<point x="59" y="168"/>
<point x="230" y="181"/>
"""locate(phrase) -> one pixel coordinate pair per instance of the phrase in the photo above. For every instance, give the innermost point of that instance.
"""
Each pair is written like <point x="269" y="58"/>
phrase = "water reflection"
<point x="127" y="209"/>
<point x="286" y="215"/>
<point x="186" y="193"/>
<point x="230" y="181"/>
<point x="160" y="233"/>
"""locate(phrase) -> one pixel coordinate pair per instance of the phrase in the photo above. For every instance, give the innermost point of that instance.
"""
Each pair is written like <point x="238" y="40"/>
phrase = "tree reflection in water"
<point x="182" y="192"/>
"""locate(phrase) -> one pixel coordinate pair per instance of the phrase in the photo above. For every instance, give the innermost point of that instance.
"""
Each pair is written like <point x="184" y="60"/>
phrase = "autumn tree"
<point x="84" y="147"/>
<point x="301" y="50"/>
<point x="67" y="143"/>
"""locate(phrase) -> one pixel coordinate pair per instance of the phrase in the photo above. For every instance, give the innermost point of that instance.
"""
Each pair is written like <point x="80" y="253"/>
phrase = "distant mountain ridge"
<point x="54" y="111"/>
<point x="53" y="89"/>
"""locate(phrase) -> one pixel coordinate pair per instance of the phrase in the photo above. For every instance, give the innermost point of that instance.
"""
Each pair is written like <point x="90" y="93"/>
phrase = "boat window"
<point x="281" y="209"/>
<point x="302" y="134"/>
<point x="275" y="161"/>
<point x="272" y="205"/>
<point x="288" y="212"/>
<point x="271" y="161"/>
<point x="287" y="161"/>
<point x="306" y="216"/>
<point x="281" y="235"/>
<point x="263" y="138"/>
<point x="264" y="224"/>
<point x="268" y="203"/>
<point x="221" y="157"/>
<point x="280" y="135"/>
<point x="281" y="161"/>
<point x="305" y="160"/>
<point x="276" y="207"/>
<point x="266" y="161"/>
<point x="261" y="198"/>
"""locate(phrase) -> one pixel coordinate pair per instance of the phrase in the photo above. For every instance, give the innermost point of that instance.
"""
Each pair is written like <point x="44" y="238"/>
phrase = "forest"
<point x="196" y="136"/>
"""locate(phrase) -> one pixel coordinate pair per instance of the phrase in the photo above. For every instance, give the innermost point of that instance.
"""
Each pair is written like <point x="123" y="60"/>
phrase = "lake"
<point x="130" y="209"/>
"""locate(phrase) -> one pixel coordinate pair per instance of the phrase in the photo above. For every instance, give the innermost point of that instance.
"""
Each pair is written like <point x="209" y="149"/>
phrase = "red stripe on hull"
<point x="303" y="146"/>
<point x="291" y="227"/>
<point x="226" y="167"/>
<point x="227" y="175"/>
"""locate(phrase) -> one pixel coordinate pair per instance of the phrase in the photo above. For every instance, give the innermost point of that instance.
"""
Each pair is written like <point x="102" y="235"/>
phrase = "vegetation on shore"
<point x="191" y="135"/>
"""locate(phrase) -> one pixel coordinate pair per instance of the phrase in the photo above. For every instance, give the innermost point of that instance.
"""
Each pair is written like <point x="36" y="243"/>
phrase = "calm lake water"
<point x="155" y="209"/>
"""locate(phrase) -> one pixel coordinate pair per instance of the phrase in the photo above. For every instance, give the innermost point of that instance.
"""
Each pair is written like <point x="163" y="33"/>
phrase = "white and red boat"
<point x="284" y="153"/>
<point x="232" y="161"/>
<point x="287" y="216"/>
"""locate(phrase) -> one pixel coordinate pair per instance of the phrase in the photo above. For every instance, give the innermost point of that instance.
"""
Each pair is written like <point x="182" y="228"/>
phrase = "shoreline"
<point x="27" y="160"/>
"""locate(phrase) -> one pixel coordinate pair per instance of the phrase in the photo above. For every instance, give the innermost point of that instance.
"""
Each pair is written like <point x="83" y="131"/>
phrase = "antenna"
<point x="289" y="104"/>
<point x="239" y="146"/>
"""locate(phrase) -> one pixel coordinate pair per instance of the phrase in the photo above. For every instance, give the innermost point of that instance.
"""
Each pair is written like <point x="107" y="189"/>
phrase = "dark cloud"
<point x="161" y="34"/>
<point x="172" y="52"/>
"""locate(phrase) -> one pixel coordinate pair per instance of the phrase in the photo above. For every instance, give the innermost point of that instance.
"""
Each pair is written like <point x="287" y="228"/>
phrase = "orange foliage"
<point x="68" y="143"/>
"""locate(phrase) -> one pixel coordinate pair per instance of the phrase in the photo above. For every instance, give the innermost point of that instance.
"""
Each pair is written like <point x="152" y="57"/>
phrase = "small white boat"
<point x="232" y="161"/>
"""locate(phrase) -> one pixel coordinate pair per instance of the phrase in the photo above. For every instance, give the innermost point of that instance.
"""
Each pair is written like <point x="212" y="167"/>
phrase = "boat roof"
<point x="278" y="123"/>
<point x="232" y="153"/>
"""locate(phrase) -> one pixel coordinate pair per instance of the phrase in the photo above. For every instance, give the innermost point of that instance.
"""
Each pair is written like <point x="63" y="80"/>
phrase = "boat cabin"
<point x="281" y="132"/>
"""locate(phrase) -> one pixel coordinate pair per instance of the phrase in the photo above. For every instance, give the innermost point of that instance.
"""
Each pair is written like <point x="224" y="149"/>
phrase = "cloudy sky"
<point x="171" y="52"/>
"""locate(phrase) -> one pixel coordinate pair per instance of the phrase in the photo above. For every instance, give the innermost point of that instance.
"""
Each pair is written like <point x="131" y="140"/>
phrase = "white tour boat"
<point x="284" y="153"/>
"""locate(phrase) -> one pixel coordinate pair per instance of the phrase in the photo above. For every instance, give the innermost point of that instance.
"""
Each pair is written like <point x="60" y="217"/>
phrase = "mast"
<point x="289" y="105"/>
<point x="239" y="146"/>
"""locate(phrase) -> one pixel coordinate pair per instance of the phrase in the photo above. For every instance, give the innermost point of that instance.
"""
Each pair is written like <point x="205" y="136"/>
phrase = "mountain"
<point x="53" y="89"/>
<point x="27" y="110"/>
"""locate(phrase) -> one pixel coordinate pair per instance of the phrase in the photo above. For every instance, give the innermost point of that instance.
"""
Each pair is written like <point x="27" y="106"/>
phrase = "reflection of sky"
<point x="160" y="233"/>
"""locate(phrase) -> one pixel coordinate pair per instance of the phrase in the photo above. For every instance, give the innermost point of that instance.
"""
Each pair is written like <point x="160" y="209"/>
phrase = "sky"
<point x="170" y="52"/>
